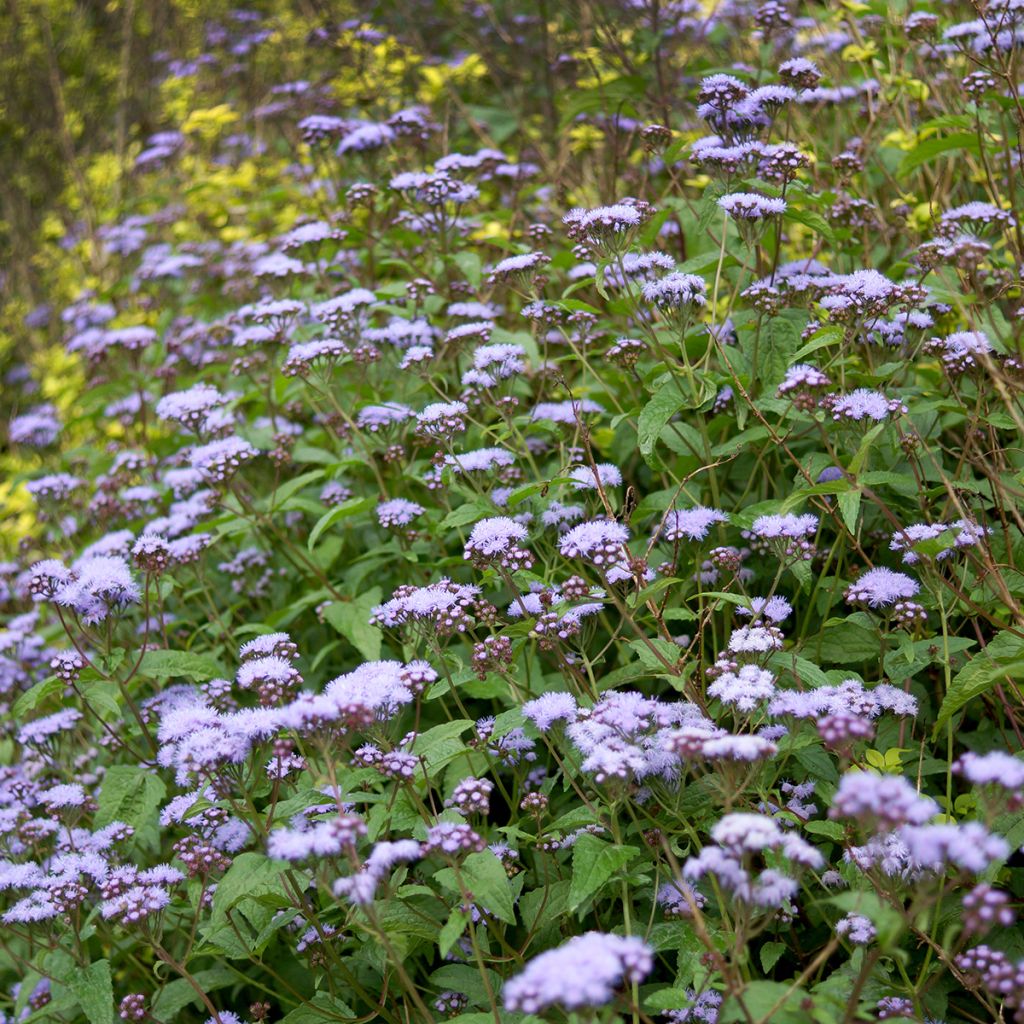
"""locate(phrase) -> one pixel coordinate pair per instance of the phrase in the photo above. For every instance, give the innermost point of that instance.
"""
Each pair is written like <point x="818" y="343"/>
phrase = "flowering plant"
<point x="525" y="536"/>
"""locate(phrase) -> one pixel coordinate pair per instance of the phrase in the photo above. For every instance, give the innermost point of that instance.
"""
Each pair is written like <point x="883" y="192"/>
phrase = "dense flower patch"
<point x="529" y="531"/>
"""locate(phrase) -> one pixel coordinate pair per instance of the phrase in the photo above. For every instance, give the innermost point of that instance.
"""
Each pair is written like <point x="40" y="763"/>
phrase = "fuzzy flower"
<point x="480" y="460"/>
<point x="803" y="377"/>
<point x="600" y="541"/>
<point x="190" y="408"/>
<point x="881" y="587"/>
<point x="588" y="478"/>
<point x="995" y="769"/>
<point x="398" y="512"/>
<point x="862" y="404"/>
<point x="856" y="929"/>
<point x="585" y="971"/>
<point x="549" y="708"/>
<point x="219" y="460"/>
<point x="522" y="264"/>
<point x="745" y="688"/>
<point x="676" y="292"/>
<point x="750" y="206"/>
<point x="498" y="540"/>
<point x="691" y="523"/>
<point x="568" y="412"/>
<point x="375" y="418"/>
<point x="888" y="800"/>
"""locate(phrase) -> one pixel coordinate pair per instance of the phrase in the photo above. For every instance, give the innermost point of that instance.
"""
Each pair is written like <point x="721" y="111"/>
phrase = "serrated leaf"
<point x="94" y="991"/>
<point x="470" y="512"/>
<point x="352" y="620"/>
<point x="322" y="1007"/>
<point x="452" y="931"/>
<point x="36" y="695"/>
<point x="1002" y="657"/>
<point x="485" y="877"/>
<point x="593" y="862"/>
<point x="131" y="794"/>
<point x="828" y="829"/>
<point x="352" y="507"/>
<point x="771" y="953"/>
<point x="931" y="149"/>
<point x="185" y="664"/>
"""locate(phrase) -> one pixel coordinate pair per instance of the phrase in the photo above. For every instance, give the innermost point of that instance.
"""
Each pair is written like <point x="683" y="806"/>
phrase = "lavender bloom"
<point x="219" y="460"/>
<point x="692" y="523"/>
<point x="568" y="412"/>
<point x="498" y="540"/>
<point x="94" y="587"/>
<point x="38" y="427"/>
<point x="848" y="696"/>
<point x="966" y="847"/>
<point x="480" y="460"/>
<point x="994" y="769"/>
<point x="750" y="206"/>
<point x="443" y="605"/>
<point x="776" y="609"/>
<point x="856" y="929"/>
<point x="744" y="688"/>
<point x="888" y="800"/>
<point x="452" y="838"/>
<point x="549" y="708"/>
<point x="588" y="478"/>
<point x="984" y="908"/>
<point x="966" y="534"/>
<point x="190" y="408"/>
<point x="375" y="418"/>
<point x="585" y="971"/>
<point x="862" y="404"/>
<point x="803" y="377"/>
<point x="600" y="541"/>
<point x="677" y="293"/>
<point x="324" y="839"/>
<point x="523" y="264"/>
<point x="360" y="888"/>
<point x="442" y="419"/>
<point x="881" y="587"/>
<point x="678" y="898"/>
<point x="398" y="512"/>
<point x="54" y="487"/>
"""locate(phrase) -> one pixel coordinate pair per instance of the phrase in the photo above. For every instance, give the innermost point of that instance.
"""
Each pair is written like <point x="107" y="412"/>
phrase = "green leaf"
<point x="452" y="931"/>
<point x="36" y="695"/>
<point x="465" y="514"/>
<point x="672" y="395"/>
<point x="1004" y="656"/>
<point x="762" y="1001"/>
<point x="94" y="991"/>
<point x="352" y="507"/>
<point x="829" y="829"/>
<point x="931" y="149"/>
<point x="668" y="999"/>
<point x="771" y="953"/>
<point x="250" y="876"/>
<point x="197" y="667"/>
<point x="440" y="745"/>
<point x="322" y="1007"/>
<point x="485" y="877"/>
<point x="131" y="794"/>
<point x="593" y="862"/>
<point x="654" y="416"/>
<point x="176" y="995"/>
<point x="847" y="643"/>
<point x="352" y="620"/>
<point x="290" y="487"/>
<point x="849" y="509"/>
